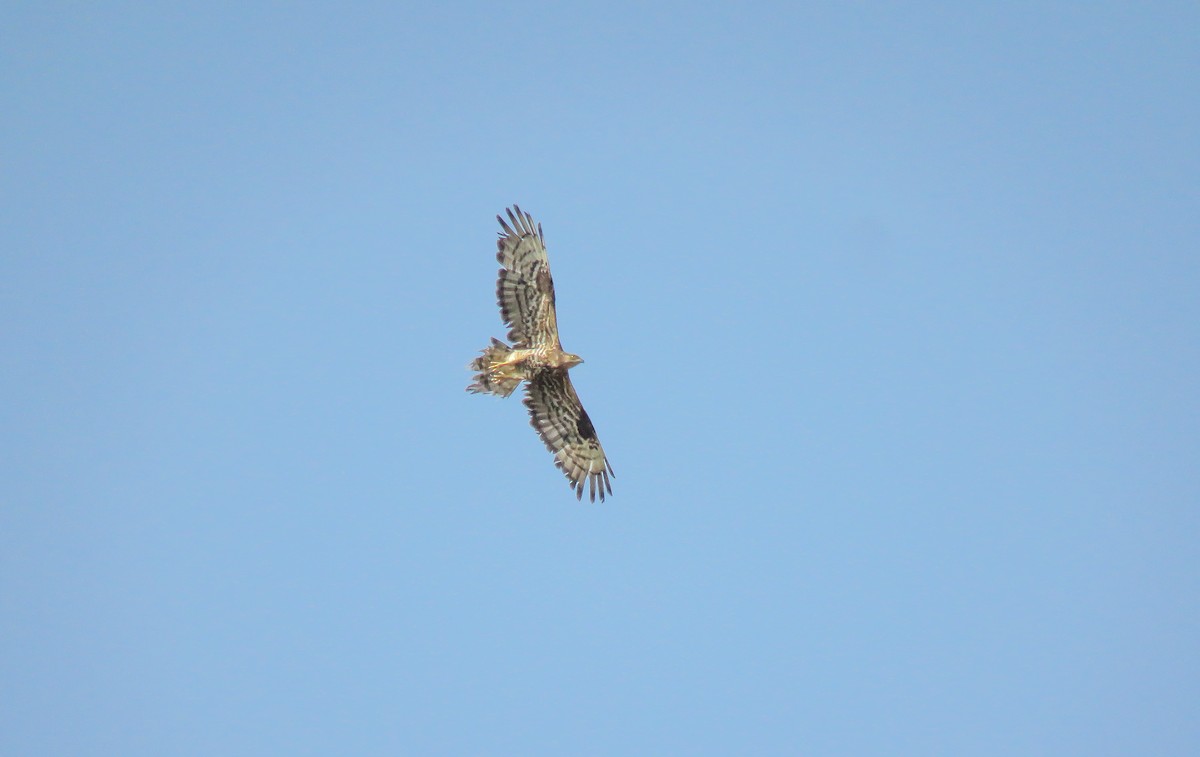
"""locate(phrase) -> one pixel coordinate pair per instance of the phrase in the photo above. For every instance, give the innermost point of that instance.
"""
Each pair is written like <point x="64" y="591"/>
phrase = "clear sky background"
<point x="892" y="331"/>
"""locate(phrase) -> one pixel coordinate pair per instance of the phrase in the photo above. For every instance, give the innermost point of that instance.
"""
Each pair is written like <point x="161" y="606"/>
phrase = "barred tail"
<point x="488" y="381"/>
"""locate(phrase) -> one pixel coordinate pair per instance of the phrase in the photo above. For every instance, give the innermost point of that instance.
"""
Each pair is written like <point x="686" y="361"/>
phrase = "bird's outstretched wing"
<point x="562" y="423"/>
<point x="524" y="290"/>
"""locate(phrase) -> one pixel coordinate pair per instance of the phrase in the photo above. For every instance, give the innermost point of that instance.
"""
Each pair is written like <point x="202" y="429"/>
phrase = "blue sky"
<point x="891" y="325"/>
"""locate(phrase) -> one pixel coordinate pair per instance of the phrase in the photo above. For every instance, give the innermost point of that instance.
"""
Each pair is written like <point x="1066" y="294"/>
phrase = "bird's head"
<point x="570" y="361"/>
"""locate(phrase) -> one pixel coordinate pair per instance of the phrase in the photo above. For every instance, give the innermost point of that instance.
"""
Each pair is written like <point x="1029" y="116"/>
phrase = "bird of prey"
<point x="525" y="293"/>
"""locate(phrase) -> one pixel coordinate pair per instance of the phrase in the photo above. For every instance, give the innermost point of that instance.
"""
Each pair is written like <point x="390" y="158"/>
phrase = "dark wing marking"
<point x="525" y="290"/>
<point x="562" y="423"/>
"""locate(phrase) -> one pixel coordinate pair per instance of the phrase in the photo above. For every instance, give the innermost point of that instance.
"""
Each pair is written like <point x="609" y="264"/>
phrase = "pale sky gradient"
<point x="892" y="332"/>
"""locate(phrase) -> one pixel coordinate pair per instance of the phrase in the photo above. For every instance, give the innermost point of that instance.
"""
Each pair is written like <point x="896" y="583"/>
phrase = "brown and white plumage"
<point x="556" y="413"/>
<point x="525" y="293"/>
<point x="524" y="288"/>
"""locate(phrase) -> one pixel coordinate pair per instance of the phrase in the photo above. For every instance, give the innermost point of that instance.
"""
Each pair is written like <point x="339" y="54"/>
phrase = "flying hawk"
<point x="525" y="293"/>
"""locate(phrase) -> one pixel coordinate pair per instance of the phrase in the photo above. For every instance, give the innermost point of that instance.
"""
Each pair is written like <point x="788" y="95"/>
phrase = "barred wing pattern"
<point x="525" y="291"/>
<point x="564" y="426"/>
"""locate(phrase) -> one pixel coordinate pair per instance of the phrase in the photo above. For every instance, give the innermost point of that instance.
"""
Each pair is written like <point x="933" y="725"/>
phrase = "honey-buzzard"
<point x="525" y="293"/>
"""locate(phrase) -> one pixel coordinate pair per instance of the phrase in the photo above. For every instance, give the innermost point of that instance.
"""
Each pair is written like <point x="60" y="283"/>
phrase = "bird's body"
<point x="525" y="292"/>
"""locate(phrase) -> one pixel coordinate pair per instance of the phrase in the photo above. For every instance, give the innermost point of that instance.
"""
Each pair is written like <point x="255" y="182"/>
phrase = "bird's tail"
<point x="488" y="380"/>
